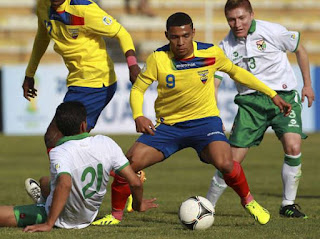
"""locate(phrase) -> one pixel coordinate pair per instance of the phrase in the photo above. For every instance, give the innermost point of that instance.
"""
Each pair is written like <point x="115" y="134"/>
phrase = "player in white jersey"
<point x="80" y="166"/>
<point x="260" y="47"/>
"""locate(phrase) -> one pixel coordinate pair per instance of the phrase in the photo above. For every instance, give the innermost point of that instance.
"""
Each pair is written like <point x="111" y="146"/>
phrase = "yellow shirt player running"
<point x="77" y="28"/>
<point x="187" y="114"/>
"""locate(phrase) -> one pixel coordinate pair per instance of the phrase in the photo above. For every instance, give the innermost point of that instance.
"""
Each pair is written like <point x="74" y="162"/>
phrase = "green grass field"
<point x="171" y="182"/>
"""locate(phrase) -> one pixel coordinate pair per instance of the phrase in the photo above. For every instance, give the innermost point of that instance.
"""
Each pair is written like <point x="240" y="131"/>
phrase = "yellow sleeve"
<point x="246" y="78"/>
<point x="241" y="75"/>
<point x="146" y="77"/>
<point x="99" y="22"/>
<point x="125" y="40"/>
<point x="40" y="46"/>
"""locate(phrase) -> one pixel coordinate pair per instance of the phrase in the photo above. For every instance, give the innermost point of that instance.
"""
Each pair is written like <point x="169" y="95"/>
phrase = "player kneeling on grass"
<point x="80" y="166"/>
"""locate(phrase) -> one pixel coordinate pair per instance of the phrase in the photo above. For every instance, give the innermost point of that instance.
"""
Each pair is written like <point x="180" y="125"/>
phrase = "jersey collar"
<point x="73" y="137"/>
<point x="252" y="27"/>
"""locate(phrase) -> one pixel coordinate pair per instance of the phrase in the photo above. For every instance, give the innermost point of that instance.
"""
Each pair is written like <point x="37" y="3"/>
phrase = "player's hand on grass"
<point x="146" y="205"/>
<point x="44" y="227"/>
<point x="134" y="72"/>
<point x="144" y="125"/>
<point x="282" y="105"/>
<point x="307" y="91"/>
<point x="28" y="88"/>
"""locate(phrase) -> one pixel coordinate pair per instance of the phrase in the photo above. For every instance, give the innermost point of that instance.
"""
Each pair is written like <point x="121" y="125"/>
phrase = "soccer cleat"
<point x="292" y="211"/>
<point x="259" y="213"/>
<point x="33" y="189"/>
<point x="107" y="220"/>
<point x="142" y="175"/>
<point x="129" y="204"/>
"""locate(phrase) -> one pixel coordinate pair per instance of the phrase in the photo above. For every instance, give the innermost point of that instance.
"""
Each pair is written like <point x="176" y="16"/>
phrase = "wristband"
<point x="131" y="60"/>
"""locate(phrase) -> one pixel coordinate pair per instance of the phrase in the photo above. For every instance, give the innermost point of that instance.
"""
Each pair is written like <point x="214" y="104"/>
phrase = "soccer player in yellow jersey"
<point x="186" y="110"/>
<point x="77" y="28"/>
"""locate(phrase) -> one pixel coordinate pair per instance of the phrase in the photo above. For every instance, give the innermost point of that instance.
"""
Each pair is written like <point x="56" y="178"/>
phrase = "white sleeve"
<point x="285" y="40"/>
<point x="59" y="162"/>
<point x="119" y="160"/>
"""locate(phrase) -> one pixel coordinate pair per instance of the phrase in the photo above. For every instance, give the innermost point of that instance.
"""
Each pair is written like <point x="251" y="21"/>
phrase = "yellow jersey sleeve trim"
<point x="246" y="78"/>
<point x="136" y="97"/>
<point x="40" y="46"/>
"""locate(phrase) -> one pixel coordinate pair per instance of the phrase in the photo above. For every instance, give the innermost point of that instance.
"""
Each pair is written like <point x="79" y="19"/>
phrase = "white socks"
<point x="290" y="179"/>
<point x="216" y="189"/>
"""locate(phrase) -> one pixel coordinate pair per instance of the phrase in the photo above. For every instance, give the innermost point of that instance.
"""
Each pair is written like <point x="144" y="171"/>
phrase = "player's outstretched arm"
<point x="134" y="69"/>
<point x="60" y="197"/>
<point x="139" y="204"/>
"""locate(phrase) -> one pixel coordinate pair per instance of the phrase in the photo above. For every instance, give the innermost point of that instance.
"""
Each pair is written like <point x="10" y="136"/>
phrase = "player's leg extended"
<point x="7" y="217"/>
<point x="218" y="153"/>
<point x="291" y="174"/>
<point x="218" y="185"/>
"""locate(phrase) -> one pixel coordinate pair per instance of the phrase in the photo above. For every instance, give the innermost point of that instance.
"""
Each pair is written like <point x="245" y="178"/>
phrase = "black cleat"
<point x="292" y="211"/>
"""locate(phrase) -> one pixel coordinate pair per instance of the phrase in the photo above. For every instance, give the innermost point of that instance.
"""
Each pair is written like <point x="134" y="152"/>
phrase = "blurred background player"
<point x="143" y="8"/>
<point x="186" y="110"/>
<point x="77" y="29"/>
<point x="74" y="199"/>
<point x="260" y="47"/>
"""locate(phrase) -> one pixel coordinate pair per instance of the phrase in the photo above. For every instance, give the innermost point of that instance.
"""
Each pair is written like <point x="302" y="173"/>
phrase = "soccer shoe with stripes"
<point x="142" y="175"/>
<point x="33" y="189"/>
<point x="107" y="220"/>
<point x="292" y="211"/>
<point x="259" y="213"/>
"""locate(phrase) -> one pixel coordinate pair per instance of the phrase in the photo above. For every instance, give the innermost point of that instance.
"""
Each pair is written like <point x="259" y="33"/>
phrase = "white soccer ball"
<point x="196" y="213"/>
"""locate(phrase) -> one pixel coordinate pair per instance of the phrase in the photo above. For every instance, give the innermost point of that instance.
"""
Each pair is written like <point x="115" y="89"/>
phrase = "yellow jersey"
<point x="186" y="87"/>
<point x="77" y="28"/>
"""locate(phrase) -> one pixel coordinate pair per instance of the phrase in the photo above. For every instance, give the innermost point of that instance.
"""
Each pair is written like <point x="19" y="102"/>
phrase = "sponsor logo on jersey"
<point x="107" y="20"/>
<point x="261" y="45"/>
<point x="203" y="76"/>
<point x="74" y="33"/>
<point x="284" y="86"/>
<point x="195" y="62"/>
<point x="236" y="56"/>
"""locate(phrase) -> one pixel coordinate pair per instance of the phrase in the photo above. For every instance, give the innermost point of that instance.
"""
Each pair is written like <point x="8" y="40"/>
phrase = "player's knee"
<point x="294" y="148"/>
<point x="225" y="166"/>
<point x="44" y="186"/>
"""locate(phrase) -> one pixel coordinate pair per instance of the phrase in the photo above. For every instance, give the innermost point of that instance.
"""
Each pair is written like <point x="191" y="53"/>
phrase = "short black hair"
<point x="232" y="4"/>
<point x="69" y="116"/>
<point x="179" y="19"/>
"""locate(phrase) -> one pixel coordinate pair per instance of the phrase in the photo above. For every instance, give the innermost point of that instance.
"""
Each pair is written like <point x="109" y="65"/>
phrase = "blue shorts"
<point x="196" y="134"/>
<point x="93" y="99"/>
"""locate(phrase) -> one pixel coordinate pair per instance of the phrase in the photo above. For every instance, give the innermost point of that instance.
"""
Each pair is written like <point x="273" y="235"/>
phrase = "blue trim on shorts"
<point x="196" y="134"/>
<point x="94" y="100"/>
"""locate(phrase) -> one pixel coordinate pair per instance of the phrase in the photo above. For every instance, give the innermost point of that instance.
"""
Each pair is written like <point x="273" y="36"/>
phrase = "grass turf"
<point x="171" y="182"/>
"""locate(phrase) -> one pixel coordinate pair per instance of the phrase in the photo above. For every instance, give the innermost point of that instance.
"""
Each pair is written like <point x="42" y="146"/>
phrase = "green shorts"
<point x="257" y="112"/>
<point x="30" y="214"/>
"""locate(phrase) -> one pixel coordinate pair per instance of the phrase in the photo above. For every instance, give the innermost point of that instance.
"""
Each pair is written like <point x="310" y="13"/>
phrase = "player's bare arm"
<point x="139" y="204"/>
<point x="303" y="61"/>
<point x="144" y="125"/>
<point x="28" y="88"/>
<point x="134" y="68"/>
<point x="59" y="200"/>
